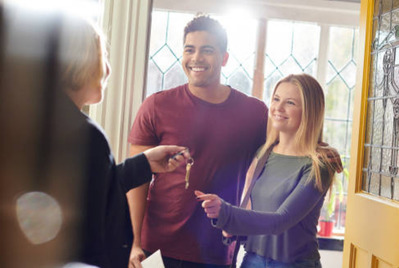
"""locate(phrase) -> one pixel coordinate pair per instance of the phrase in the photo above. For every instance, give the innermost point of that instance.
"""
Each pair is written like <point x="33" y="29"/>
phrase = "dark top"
<point x="104" y="233"/>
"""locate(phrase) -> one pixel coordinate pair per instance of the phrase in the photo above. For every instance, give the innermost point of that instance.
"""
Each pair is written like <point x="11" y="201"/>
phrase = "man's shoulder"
<point x="169" y="93"/>
<point x="247" y="100"/>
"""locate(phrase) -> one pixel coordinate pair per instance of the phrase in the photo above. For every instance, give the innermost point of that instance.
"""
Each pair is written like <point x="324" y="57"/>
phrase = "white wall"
<point x="331" y="258"/>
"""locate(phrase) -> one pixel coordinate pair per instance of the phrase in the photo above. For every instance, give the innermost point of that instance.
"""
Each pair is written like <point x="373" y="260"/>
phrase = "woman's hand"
<point x="211" y="204"/>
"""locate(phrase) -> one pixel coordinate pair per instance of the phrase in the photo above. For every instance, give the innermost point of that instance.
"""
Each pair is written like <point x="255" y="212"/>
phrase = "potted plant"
<point x="336" y="193"/>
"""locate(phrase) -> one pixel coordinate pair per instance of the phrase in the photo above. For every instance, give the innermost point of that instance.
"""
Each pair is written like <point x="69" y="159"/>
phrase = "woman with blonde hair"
<point x="288" y="195"/>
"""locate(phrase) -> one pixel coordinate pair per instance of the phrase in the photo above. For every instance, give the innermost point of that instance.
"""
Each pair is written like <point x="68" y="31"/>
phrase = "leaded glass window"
<point x="381" y="148"/>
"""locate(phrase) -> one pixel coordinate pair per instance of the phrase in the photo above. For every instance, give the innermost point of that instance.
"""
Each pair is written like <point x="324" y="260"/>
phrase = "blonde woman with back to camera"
<point x="105" y="235"/>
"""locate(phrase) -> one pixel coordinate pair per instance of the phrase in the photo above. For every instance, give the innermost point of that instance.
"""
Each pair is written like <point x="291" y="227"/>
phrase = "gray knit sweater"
<point x="286" y="207"/>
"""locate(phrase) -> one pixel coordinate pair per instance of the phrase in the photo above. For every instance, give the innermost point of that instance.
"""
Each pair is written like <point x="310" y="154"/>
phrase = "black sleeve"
<point x="133" y="172"/>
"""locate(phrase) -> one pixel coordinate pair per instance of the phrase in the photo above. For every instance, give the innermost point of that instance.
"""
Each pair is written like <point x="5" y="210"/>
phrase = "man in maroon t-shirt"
<point x="222" y="128"/>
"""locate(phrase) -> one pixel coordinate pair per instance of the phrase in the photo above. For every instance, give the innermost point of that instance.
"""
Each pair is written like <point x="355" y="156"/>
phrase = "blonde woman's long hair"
<point x="310" y="131"/>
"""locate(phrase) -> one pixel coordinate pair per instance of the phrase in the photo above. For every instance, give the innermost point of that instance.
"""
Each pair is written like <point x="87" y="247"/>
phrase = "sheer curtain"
<point x="126" y="25"/>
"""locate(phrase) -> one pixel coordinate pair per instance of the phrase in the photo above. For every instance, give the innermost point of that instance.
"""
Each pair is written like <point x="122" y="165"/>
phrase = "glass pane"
<point x="154" y="78"/>
<point x="374" y="184"/>
<point x="378" y="123"/>
<point x="395" y="82"/>
<point x="386" y="6"/>
<point x="279" y="40"/>
<point x="343" y="49"/>
<point x="386" y="187"/>
<point x="231" y="67"/>
<point x="365" y="182"/>
<point x="396" y="189"/>
<point x="376" y="7"/>
<point x="386" y="161"/>
<point x="336" y="133"/>
<point x="395" y="18"/>
<point x="164" y="58"/>
<point x="239" y="69"/>
<point x="158" y="38"/>
<point x="379" y="75"/>
<point x="175" y="76"/>
<point x="176" y="24"/>
<point x="384" y="29"/>
<point x="389" y="125"/>
<point x="291" y="47"/>
<point x="369" y="126"/>
<point x="303" y="51"/>
<point x="240" y="81"/>
<point x="337" y="99"/>
<point x="270" y="83"/>
<point x="373" y="73"/>
<point x="376" y="159"/>
<point x="366" y="157"/>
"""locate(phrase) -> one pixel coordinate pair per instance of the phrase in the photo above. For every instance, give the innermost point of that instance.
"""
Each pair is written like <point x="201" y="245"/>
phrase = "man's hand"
<point x="136" y="257"/>
<point x="333" y="156"/>
<point x="163" y="158"/>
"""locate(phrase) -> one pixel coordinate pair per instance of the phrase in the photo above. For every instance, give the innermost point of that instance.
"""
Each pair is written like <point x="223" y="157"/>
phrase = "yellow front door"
<point x="372" y="220"/>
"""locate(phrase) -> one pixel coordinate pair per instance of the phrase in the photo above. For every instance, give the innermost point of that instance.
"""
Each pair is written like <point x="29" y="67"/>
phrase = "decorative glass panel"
<point x="382" y="130"/>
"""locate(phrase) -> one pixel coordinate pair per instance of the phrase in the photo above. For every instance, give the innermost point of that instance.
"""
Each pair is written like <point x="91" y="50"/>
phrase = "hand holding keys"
<point x="189" y="164"/>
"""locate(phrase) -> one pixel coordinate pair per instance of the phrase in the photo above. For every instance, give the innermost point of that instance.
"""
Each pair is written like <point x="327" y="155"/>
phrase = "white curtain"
<point x="127" y="25"/>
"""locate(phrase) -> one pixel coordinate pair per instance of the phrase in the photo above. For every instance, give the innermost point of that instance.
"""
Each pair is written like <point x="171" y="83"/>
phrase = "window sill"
<point x="335" y="243"/>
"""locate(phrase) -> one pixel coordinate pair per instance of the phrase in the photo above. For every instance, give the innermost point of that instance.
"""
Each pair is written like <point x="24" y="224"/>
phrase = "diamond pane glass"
<point x="291" y="47"/>
<point x="175" y="76"/>
<point x="239" y="79"/>
<point x="337" y="99"/>
<point x="154" y="78"/>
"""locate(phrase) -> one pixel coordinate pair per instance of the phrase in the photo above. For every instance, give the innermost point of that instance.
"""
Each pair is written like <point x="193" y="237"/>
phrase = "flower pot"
<point x="326" y="228"/>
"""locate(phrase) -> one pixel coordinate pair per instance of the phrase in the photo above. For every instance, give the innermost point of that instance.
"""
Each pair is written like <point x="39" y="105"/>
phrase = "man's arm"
<point x="137" y="200"/>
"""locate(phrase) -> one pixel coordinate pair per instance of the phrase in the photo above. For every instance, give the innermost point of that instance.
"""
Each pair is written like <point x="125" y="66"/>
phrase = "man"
<point x="222" y="129"/>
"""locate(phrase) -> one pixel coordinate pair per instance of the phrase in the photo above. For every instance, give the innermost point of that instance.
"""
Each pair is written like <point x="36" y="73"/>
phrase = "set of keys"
<point x="189" y="164"/>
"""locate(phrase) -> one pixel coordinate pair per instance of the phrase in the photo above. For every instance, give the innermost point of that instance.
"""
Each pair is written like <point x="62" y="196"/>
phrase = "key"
<point x="189" y="164"/>
<point x="180" y="153"/>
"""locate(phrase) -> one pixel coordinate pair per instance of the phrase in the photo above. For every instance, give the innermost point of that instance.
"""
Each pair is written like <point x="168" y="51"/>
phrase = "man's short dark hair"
<point x="212" y="26"/>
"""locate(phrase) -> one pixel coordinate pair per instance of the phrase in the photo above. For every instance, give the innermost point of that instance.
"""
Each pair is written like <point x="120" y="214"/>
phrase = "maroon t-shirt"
<point x="222" y="139"/>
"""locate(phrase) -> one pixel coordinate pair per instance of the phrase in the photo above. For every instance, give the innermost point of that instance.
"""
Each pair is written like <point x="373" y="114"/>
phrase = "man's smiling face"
<point x="202" y="59"/>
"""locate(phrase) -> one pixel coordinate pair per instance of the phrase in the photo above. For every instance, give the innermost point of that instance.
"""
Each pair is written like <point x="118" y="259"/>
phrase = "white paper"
<point x="153" y="261"/>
